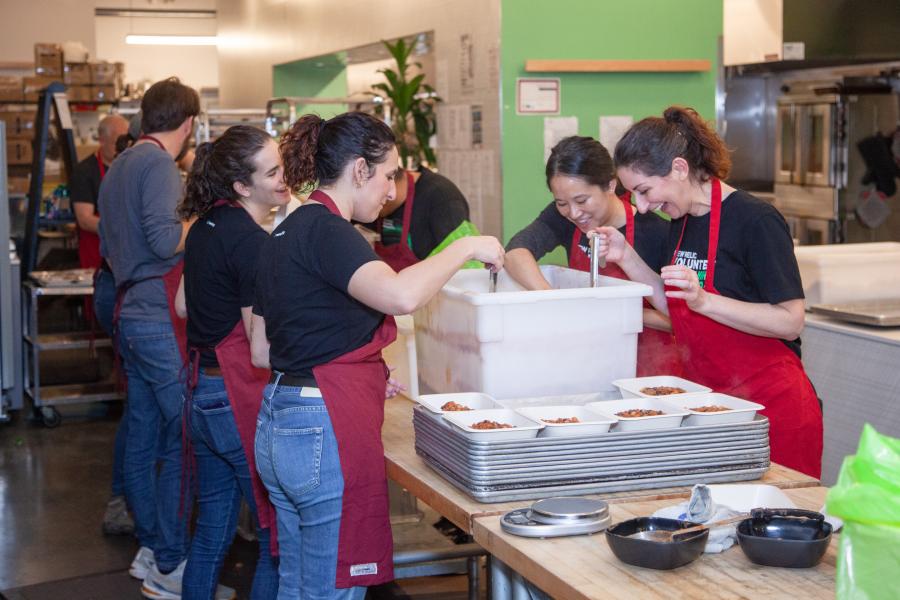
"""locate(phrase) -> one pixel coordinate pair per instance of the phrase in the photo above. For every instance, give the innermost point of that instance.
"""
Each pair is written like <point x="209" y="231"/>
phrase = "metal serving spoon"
<point x="661" y="535"/>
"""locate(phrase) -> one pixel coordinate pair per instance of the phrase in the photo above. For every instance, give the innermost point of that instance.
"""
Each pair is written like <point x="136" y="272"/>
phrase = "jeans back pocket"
<point x="297" y="459"/>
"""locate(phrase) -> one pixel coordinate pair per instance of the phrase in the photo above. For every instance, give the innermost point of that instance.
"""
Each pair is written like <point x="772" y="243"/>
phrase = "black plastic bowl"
<point x="655" y="555"/>
<point x="792" y="538"/>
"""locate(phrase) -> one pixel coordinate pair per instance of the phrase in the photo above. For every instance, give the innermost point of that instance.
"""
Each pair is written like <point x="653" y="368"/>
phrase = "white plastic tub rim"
<point x="472" y="286"/>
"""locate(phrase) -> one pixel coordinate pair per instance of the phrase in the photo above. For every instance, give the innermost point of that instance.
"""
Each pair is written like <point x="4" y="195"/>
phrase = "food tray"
<point x="741" y="410"/>
<point x="591" y="422"/>
<point x="671" y="417"/>
<point x="473" y="400"/>
<point x="881" y="313"/>
<point x="65" y="278"/>
<point x="631" y="388"/>
<point x="522" y="427"/>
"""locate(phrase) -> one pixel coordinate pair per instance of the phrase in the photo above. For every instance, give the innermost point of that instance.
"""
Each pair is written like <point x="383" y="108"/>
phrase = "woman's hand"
<point x="687" y="284"/>
<point x="611" y="244"/>
<point x="394" y="387"/>
<point x="486" y="249"/>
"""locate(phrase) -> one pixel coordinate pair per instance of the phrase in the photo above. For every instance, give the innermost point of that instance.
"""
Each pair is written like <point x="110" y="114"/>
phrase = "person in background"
<point x="581" y="177"/>
<point x="84" y="191"/>
<point x="427" y="212"/>
<point x="142" y="239"/>
<point x="732" y="286"/>
<point x="320" y="321"/>
<point x="234" y="184"/>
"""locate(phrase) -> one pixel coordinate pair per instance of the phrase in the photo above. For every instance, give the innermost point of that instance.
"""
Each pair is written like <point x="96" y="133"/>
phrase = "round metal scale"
<point x="556" y="517"/>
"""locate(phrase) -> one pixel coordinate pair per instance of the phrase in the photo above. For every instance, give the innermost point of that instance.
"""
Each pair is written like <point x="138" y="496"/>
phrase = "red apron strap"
<point x="629" y="218"/>
<point x="407" y="208"/>
<point x="715" y="218"/>
<point x="154" y="140"/>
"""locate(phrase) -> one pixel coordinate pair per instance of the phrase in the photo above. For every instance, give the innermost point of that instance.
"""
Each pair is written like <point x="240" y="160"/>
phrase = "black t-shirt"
<point x="221" y="253"/>
<point x="550" y="229"/>
<point x="438" y="209"/>
<point x="85" y="184"/>
<point x="755" y="260"/>
<point x="301" y="290"/>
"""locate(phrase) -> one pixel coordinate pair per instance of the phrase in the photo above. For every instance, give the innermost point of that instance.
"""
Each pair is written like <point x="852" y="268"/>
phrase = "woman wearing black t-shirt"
<point x="234" y="183"/>
<point x="732" y="287"/>
<point x="581" y="177"/>
<point x="319" y="320"/>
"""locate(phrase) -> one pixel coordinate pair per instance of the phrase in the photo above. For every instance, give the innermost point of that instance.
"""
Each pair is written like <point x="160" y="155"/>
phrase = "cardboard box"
<point x="48" y="60"/>
<point x="33" y="85"/>
<point x="19" y="152"/>
<point x="11" y="89"/>
<point x="105" y="93"/>
<point x="18" y="185"/>
<point x="77" y="74"/>
<point x="19" y="123"/>
<point x="80" y="93"/>
<point x="107" y="73"/>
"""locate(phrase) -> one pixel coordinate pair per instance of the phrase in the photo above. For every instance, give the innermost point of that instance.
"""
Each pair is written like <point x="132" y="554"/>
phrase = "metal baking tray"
<point x="64" y="278"/>
<point x="880" y="313"/>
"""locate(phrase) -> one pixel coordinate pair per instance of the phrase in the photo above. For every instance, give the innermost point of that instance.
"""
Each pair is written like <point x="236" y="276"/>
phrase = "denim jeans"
<point x="153" y="452"/>
<point x="297" y="458"/>
<point x="223" y="477"/>
<point x="104" y="306"/>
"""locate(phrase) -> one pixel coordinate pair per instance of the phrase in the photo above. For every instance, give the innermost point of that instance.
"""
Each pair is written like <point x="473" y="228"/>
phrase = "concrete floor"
<point x="54" y="484"/>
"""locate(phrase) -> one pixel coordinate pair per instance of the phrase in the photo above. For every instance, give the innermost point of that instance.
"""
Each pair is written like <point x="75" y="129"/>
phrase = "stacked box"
<point x="48" y="60"/>
<point x="19" y="152"/>
<point x="18" y="185"/>
<point x="80" y="93"/>
<point x="77" y="74"/>
<point x="19" y="123"/>
<point x="11" y="89"/>
<point x="34" y="85"/>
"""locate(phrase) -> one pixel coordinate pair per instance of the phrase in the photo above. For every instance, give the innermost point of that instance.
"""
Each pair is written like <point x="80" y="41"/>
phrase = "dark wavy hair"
<point x="218" y="165"/>
<point x="316" y="151"/>
<point x="166" y="104"/>
<point x="582" y="157"/>
<point x="651" y="144"/>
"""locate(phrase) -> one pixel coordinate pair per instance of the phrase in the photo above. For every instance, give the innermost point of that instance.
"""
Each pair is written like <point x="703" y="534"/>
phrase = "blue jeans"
<point x="153" y="453"/>
<point x="104" y="306"/>
<point x="297" y="458"/>
<point x="223" y="477"/>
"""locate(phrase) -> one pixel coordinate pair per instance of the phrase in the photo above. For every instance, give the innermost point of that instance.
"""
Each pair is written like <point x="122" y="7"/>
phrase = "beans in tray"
<point x="487" y="424"/>
<point x="710" y="409"/>
<point x="662" y="390"/>
<point x="562" y="420"/>
<point x="453" y="406"/>
<point x="635" y="413"/>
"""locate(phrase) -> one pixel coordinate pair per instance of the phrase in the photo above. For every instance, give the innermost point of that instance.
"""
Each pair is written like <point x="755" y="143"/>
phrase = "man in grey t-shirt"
<point x="142" y="239"/>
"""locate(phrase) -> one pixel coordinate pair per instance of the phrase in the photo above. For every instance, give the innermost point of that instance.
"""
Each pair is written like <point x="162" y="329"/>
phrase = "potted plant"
<point x="412" y="106"/>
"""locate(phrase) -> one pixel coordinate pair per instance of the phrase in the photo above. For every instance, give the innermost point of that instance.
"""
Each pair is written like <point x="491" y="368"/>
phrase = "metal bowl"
<point x="787" y="537"/>
<point x="651" y="554"/>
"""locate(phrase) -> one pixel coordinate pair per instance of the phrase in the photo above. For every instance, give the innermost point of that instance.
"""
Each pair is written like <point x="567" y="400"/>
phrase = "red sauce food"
<point x="562" y="420"/>
<point x="453" y="406"/>
<point x="710" y="409"/>
<point x="662" y="390"/>
<point x="639" y="412"/>
<point x="490" y="425"/>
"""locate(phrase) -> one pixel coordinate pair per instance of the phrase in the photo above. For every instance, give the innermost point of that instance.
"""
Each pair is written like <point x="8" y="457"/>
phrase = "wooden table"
<point x="583" y="567"/>
<point x="408" y="470"/>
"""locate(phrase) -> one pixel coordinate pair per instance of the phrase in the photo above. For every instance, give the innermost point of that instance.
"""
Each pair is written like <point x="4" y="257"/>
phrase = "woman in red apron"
<point x="234" y="184"/>
<point x="320" y="321"/>
<point x="581" y="177"/>
<point x="732" y="288"/>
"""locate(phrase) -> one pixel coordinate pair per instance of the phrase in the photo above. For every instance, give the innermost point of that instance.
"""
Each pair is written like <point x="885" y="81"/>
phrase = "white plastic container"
<point x="523" y="427"/>
<point x="741" y="411"/>
<point x="590" y="422"/>
<point x="631" y="388"/>
<point x="473" y="400"/>
<point x="401" y="356"/>
<point x="839" y="273"/>
<point x="569" y="340"/>
<point x="671" y="417"/>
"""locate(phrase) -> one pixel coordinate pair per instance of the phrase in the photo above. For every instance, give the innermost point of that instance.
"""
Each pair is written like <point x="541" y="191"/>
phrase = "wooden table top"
<point x="408" y="470"/>
<point x="583" y="567"/>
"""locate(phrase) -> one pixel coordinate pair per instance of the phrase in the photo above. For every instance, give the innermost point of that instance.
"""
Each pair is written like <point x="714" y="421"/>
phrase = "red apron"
<point x="761" y="369"/>
<point x="399" y="256"/>
<point x="88" y="241"/>
<point x="657" y="353"/>
<point x="353" y="387"/>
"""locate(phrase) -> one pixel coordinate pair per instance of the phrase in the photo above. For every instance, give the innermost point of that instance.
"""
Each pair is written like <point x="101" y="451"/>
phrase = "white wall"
<point x="752" y="31"/>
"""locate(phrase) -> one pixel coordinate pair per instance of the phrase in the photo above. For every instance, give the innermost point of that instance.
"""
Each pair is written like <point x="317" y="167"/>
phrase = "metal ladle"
<point x="662" y="535"/>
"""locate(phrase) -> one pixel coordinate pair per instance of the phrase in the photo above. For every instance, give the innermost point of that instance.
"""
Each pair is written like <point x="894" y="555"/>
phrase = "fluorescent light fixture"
<point x="171" y="40"/>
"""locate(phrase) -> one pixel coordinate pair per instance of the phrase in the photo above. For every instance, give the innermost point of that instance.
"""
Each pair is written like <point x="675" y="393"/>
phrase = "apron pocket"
<point x="297" y="458"/>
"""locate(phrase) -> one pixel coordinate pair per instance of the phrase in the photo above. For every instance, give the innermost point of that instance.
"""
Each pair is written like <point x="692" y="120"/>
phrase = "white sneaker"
<point x="142" y="563"/>
<point x="158" y="586"/>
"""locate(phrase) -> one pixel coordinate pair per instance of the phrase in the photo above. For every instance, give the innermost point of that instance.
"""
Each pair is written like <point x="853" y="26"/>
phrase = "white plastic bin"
<point x="839" y="273"/>
<point x="401" y="355"/>
<point x="569" y="340"/>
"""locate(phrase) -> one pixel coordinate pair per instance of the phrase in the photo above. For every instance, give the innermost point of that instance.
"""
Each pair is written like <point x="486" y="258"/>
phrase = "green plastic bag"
<point x="867" y="498"/>
<point x="465" y="229"/>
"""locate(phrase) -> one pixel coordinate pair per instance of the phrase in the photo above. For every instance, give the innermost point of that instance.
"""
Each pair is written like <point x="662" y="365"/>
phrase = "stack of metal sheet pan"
<point x="528" y="469"/>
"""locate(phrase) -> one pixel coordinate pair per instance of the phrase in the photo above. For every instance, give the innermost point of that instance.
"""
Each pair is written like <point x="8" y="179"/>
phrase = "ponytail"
<point x="651" y="145"/>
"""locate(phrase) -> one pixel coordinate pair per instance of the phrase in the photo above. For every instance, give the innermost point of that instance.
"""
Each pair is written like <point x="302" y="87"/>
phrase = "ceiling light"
<point x="171" y="40"/>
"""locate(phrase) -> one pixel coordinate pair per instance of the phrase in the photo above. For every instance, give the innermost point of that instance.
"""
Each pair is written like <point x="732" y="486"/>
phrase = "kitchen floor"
<point x="54" y="484"/>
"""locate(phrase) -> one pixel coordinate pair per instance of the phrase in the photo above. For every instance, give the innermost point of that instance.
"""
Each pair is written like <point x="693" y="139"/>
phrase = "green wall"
<point x="319" y="77"/>
<point x="598" y="29"/>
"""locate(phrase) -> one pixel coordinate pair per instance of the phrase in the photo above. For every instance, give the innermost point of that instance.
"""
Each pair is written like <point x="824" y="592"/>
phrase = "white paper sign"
<point x="555" y="129"/>
<point x="612" y="128"/>
<point x="537" y="96"/>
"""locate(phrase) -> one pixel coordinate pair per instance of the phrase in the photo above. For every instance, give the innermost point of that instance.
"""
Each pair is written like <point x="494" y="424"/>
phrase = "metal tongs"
<point x="597" y="263"/>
